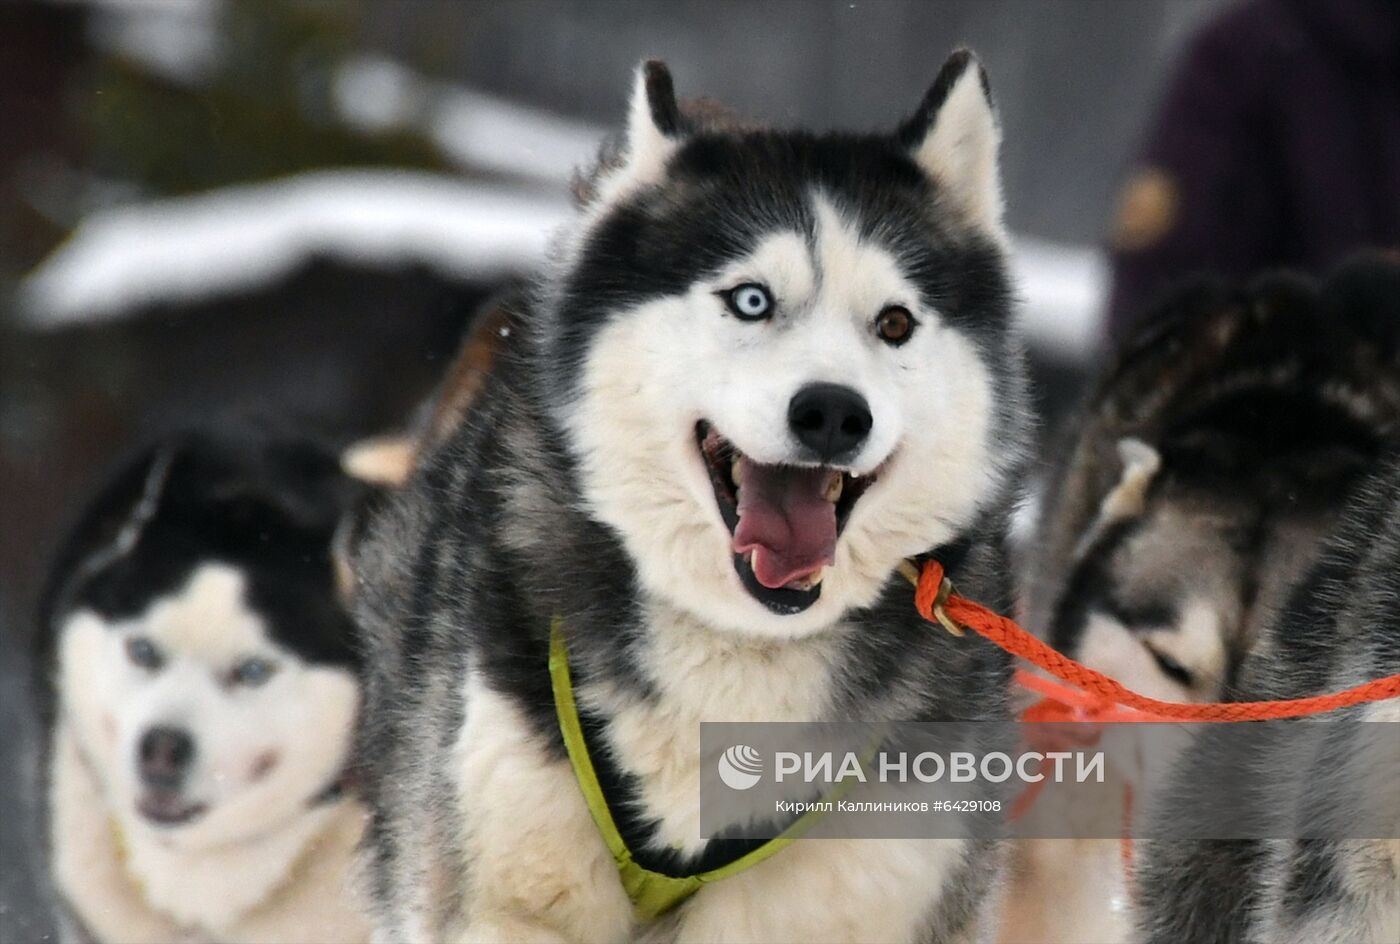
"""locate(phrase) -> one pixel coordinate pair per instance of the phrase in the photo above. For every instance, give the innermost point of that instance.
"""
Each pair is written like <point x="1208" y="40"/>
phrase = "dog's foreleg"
<point x="537" y="869"/>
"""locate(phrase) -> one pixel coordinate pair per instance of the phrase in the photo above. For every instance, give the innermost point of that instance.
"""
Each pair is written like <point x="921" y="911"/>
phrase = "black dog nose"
<point x="164" y="755"/>
<point x="829" y="419"/>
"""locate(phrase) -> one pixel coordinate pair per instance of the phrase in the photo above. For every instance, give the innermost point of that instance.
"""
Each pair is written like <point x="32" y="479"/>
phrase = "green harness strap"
<point x="652" y="893"/>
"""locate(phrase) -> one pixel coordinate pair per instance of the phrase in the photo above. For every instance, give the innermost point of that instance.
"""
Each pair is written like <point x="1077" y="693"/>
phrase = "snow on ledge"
<point x="197" y="247"/>
<point x="1063" y="291"/>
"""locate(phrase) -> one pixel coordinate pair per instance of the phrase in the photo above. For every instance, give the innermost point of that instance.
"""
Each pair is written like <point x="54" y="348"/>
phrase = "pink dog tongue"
<point x="786" y="520"/>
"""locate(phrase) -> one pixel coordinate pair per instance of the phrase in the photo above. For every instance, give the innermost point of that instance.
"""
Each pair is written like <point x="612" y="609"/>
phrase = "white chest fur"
<point x="702" y="675"/>
<point x="215" y="889"/>
<point x="540" y="870"/>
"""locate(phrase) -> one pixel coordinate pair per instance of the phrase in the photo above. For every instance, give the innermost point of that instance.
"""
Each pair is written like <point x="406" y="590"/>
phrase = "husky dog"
<point x="766" y="368"/>
<point x="1211" y="460"/>
<point x="202" y="703"/>
<point x="1341" y="628"/>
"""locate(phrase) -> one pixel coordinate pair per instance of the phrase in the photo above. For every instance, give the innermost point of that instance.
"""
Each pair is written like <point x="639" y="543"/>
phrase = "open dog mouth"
<point x="784" y="520"/>
<point x="165" y="808"/>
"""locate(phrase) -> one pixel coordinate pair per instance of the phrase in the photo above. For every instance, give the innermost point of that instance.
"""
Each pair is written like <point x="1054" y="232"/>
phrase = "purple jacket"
<point x="1277" y="144"/>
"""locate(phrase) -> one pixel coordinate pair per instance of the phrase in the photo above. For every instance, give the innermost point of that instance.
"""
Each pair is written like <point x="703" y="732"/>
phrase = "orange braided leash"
<point x="1060" y="702"/>
<point x="936" y="603"/>
<point x="1066" y="718"/>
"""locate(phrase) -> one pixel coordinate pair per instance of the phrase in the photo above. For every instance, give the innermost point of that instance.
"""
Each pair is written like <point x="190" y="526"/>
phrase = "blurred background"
<point x="291" y="209"/>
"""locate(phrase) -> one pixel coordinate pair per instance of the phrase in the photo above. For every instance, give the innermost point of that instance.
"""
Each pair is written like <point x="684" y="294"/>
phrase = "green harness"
<point x="652" y="893"/>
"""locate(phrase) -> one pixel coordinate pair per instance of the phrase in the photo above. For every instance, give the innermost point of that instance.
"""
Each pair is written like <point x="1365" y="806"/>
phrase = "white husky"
<point x="205" y="691"/>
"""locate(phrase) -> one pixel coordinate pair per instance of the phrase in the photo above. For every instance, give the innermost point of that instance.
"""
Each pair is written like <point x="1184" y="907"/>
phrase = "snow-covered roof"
<point x="192" y="248"/>
<point x="189" y="248"/>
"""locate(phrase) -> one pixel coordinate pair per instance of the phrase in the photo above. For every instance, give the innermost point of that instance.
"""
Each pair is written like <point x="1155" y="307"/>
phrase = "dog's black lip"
<point x="725" y="497"/>
<point x="166" y="810"/>
<point x="782" y="601"/>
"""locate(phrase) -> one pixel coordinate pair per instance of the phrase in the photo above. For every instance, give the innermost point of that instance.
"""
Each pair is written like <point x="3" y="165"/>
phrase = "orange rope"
<point x="1102" y="691"/>
<point x="1060" y="702"/>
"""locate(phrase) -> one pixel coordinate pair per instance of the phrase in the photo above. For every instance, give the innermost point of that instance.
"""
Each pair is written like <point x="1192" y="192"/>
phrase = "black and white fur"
<point x="202" y="689"/>
<point x="1341" y="628"/>
<point x="1213" y="457"/>
<point x="580" y="485"/>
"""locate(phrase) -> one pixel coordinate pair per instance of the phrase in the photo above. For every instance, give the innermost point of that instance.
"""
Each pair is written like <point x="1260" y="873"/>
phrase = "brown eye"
<point x="894" y="325"/>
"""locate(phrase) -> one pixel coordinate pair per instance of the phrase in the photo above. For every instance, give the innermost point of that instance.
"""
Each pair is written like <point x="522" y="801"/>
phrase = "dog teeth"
<point x="833" y="488"/>
<point x="807" y="583"/>
<point x="736" y="471"/>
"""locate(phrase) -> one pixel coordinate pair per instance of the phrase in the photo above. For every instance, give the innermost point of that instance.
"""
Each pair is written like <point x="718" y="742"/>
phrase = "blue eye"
<point x="251" y="672"/>
<point x="749" y="302"/>
<point x="144" y="654"/>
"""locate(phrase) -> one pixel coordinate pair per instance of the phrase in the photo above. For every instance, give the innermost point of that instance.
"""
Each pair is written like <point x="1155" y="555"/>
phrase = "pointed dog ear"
<point x="655" y="129"/>
<point x="1139" y="464"/>
<point x="653" y="108"/>
<point x="954" y="136"/>
<point x="381" y="460"/>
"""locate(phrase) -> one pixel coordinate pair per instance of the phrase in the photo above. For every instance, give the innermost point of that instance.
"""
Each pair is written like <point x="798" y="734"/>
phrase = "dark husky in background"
<point x="1341" y="628"/>
<point x="202" y="687"/>
<point x="1214" y="456"/>
<point x="765" y="368"/>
